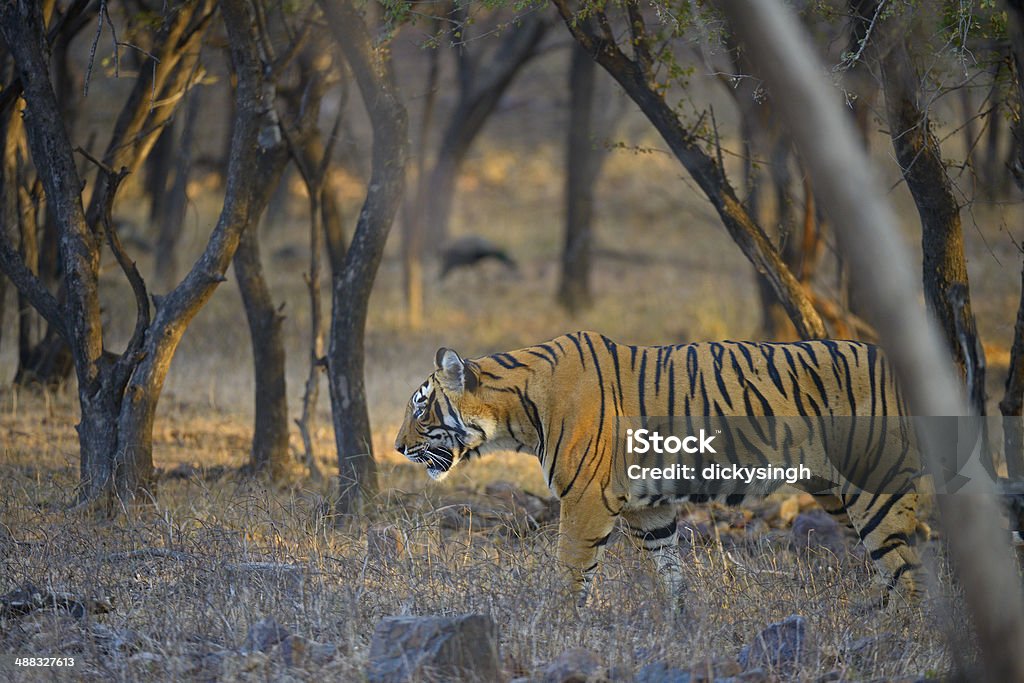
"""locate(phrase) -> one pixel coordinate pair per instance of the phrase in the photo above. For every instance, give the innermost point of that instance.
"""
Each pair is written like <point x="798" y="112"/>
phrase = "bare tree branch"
<point x="29" y="285"/>
<point x="743" y="229"/>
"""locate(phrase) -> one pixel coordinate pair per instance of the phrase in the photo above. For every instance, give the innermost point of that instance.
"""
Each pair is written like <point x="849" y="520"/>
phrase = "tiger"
<point x="563" y="401"/>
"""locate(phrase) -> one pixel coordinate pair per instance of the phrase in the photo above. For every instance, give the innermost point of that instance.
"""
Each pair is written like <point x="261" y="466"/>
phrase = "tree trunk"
<point x="11" y="133"/>
<point x="775" y="323"/>
<point x="946" y="287"/>
<point x="861" y="82"/>
<point x="171" y="221"/>
<point x="160" y="168"/>
<point x="255" y="139"/>
<point x="994" y="176"/>
<point x="21" y="23"/>
<point x="637" y="80"/>
<point x="414" y="218"/>
<point x="352" y="284"/>
<point x="762" y="139"/>
<point x="1012" y="405"/>
<point x="270" y="427"/>
<point x="868" y="232"/>
<point x="1013" y="398"/>
<point x="582" y="167"/>
<point x="480" y="91"/>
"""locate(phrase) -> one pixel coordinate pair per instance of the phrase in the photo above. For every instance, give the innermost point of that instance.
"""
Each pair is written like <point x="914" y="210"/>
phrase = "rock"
<point x="660" y="672"/>
<point x="780" y="646"/>
<point x="319" y="654"/>
<point x="444" y="648"/>
<point x="816" y="531"/>
<point x="385" y="543"/>
<point x="578" y="665"/>
<point x="265" y="634"/>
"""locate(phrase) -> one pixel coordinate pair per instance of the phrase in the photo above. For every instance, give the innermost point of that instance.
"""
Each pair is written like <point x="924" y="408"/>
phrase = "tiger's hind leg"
<point x="655" y="529"/>
<point x="889" y="527"/>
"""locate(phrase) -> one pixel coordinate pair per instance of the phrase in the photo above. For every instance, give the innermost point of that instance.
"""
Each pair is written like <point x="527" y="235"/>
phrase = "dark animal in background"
<point x="470" y="250"/>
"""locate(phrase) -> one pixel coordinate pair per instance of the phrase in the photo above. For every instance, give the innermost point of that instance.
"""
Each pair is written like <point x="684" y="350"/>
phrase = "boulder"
<point x="815" y="531"/>
<point x="780" y="646"/>
<point x="434" y="648"/>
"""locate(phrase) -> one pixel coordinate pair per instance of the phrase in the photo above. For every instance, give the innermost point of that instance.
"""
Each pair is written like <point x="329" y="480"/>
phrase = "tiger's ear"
<point x="456" y="374"/>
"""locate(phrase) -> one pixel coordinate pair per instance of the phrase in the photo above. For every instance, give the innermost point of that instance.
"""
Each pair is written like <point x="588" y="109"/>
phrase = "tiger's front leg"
<point x="583" y="532"/>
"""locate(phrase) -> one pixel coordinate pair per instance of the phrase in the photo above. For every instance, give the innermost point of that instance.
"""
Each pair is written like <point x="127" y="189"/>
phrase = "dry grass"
<point x="176" y="573"/>
<point x="219" y="551"/>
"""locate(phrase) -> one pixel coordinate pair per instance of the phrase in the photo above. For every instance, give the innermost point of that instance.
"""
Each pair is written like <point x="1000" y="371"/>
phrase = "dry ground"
<point x="183" y="578"/>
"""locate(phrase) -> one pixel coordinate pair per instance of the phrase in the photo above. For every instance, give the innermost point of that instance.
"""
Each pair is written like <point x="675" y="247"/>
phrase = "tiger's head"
<point x="446" y="420"/>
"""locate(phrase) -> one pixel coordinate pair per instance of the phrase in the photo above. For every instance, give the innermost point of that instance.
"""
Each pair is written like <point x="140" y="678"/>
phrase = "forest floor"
<point x="178" y="587"/>
<point x="180" y="590"/>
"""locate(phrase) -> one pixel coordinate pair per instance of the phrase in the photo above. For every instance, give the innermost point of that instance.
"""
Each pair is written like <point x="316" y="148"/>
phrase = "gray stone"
<point x="434" y="648"/>
<point x="815" y="531"/>
<point x="780" y="646"/>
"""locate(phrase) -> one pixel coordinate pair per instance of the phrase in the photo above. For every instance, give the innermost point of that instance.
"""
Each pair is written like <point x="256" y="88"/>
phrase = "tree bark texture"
<point x="582" y="168"/>
<point x="270" y="425"/>
<point x="944" y="268"/>
<point x="637" y="81"/>
<point x="1012" y="405"/>
<point x="148" y="109"/>
<point x="351" y="285"/>
<point x="12" y="134"/>
<point x="868" y="232"/>
<point x="1013" y="397"/>
<point x="22" y="26"/>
